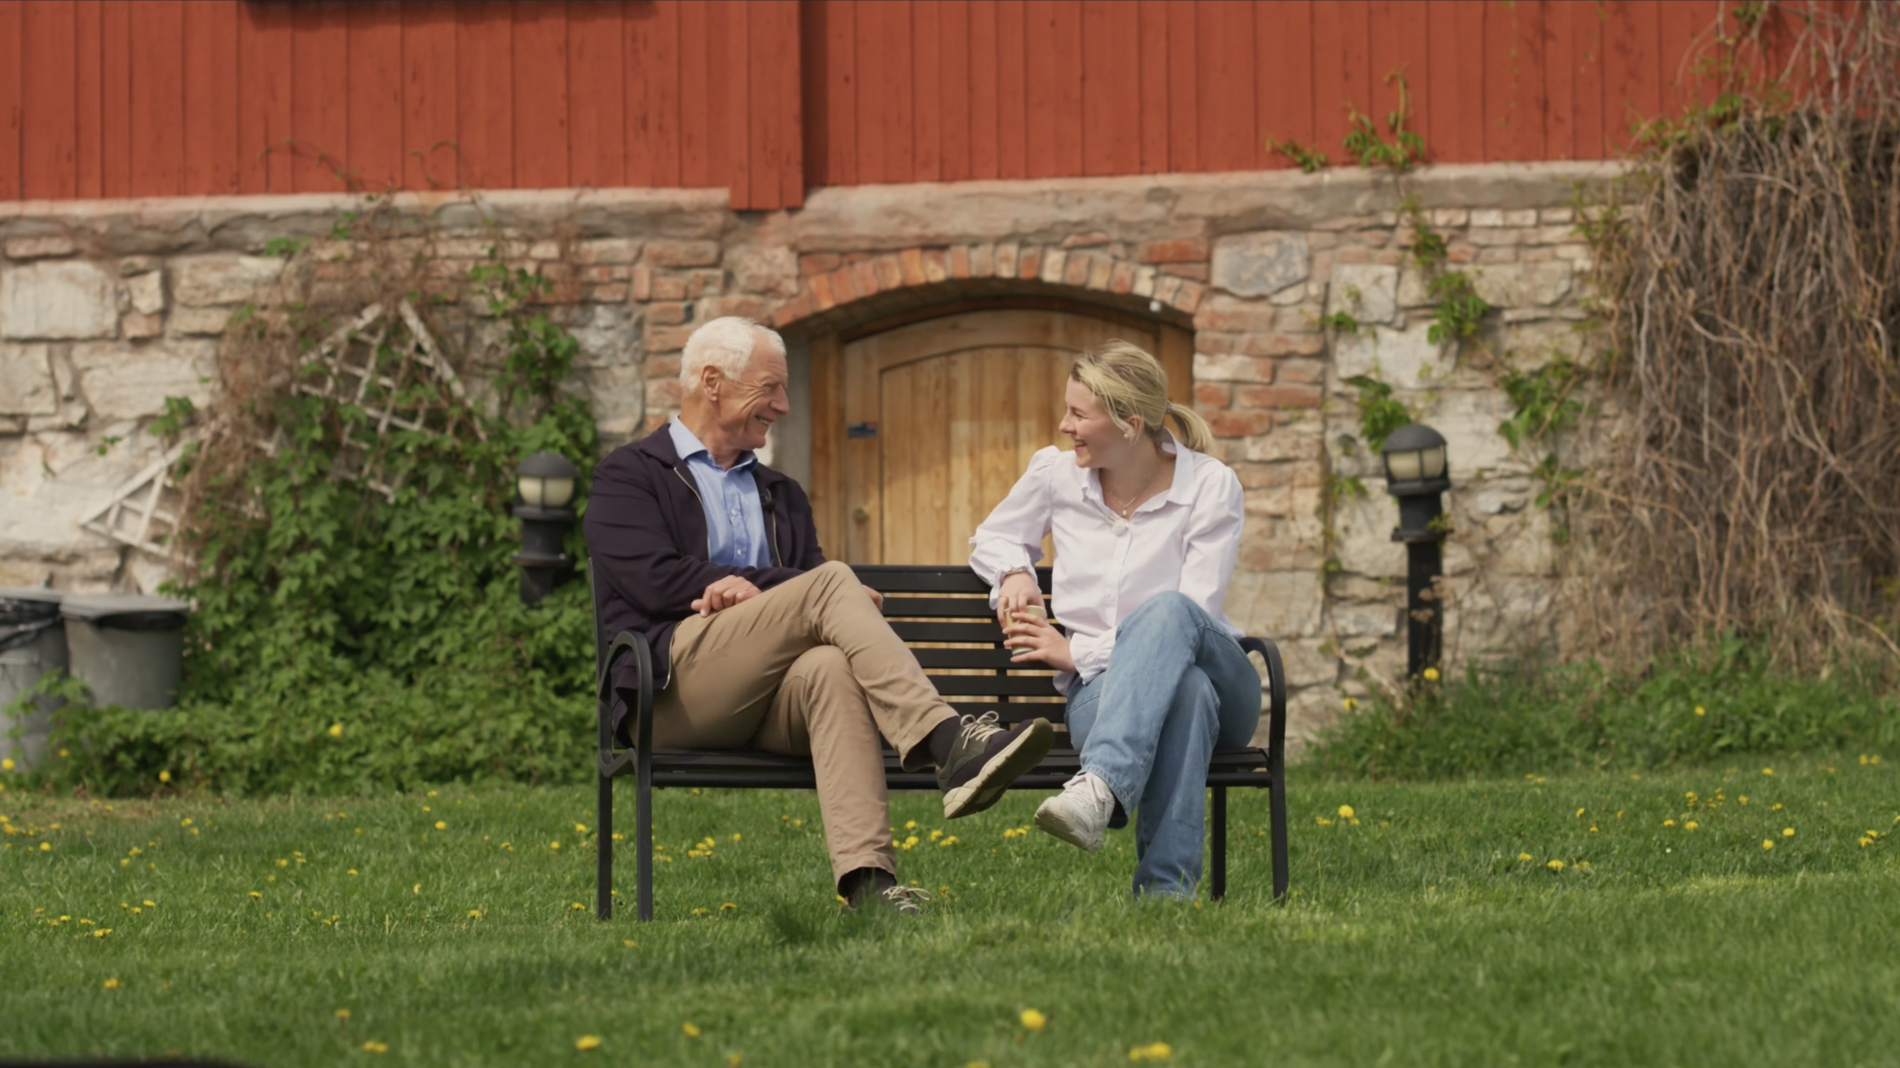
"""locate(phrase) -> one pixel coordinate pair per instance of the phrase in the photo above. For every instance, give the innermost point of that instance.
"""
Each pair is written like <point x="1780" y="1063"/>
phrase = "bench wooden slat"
<point x="752" y="768"/>
<point x="994" y="685"/>
<point x="938" y="607"/>
<point x="968" y="633"/>
<point x="995" y="659"/>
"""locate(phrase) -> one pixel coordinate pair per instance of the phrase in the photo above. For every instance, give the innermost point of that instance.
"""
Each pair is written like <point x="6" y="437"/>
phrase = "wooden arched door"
<point x="918" y="431"/>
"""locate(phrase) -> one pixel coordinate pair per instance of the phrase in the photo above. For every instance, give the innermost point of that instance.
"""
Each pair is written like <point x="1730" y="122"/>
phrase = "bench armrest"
<point x="1276" y="692"/>
<point x="642" y="705"/>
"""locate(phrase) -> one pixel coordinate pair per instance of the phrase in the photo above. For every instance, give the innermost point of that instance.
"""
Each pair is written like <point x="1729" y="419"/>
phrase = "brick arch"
<point x="837" y="291"/>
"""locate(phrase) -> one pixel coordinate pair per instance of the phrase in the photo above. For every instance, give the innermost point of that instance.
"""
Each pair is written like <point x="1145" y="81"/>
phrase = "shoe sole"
<point x="990" y="784"/>
<point x="1051" y="821"/>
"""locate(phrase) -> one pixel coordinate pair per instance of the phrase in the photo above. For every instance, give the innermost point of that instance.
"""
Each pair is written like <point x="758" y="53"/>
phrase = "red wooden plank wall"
<point x="112" y="98"/>
<point x="108" y="98"/>
<point x="927" y="90"/>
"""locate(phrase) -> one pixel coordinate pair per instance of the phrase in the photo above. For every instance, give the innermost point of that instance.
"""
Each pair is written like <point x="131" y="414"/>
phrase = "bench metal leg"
<point x="1218" y="883"/>
<point x="604" y="823"/>
<point x="643" y="829"/>
<point x="1276" y="802"/>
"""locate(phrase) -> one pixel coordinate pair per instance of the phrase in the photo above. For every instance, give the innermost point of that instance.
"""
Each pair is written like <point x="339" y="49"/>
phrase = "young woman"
<point x="1147" y="527"/>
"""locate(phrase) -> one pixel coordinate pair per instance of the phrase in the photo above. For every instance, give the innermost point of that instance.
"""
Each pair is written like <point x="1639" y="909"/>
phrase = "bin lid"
<point x="38" y="594"/>
<point x="125" y="611"/>
<point x="25" y="611"/>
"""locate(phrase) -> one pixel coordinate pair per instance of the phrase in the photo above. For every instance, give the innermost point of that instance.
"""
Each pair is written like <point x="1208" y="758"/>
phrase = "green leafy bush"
<point x="1699" y="706"/>
<point x="349" y="640"/>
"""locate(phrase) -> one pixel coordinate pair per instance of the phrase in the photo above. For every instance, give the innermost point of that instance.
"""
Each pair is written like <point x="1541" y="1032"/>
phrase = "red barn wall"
<point x="115" y="98"/>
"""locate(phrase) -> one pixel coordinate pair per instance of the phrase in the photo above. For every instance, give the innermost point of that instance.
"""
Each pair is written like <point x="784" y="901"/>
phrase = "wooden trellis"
<point x="361" y="365"/>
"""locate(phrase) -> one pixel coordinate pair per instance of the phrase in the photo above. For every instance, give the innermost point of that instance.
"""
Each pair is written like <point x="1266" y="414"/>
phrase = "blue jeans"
<point x="1176" y="688"/>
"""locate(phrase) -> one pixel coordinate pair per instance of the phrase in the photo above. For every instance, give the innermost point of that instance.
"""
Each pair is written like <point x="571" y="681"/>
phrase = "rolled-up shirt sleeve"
<point x="1213" y="541"/>
<point x="1011" y="538"/>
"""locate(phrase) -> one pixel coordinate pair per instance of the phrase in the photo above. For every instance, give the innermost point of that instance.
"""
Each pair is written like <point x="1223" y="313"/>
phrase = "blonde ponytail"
<point x="1195" y="433"/>
<point x="1131" y="383"/>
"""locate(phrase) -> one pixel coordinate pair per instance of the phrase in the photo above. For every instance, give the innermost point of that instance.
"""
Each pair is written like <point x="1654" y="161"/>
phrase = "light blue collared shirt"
<point x="735" y="523"/>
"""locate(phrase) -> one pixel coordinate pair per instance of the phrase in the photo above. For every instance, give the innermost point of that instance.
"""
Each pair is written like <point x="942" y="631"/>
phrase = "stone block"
<point x="1299" y="439"/>
<point x="26" y="380"/>
<point x="59" y="299"/>
<point x="1178" y="250"/>
<point x="147" y="292"/>
<point x="39" y="247"/>
<point x="1275" y="604"/>
<point x="196" y="322"/>
<point x="122" y="380"/>
<point x="1525" y="284"/>
<point x="682" y="253"/>
<point x="607" y="250"/>
<point x="609" y="336"/>
<point x="1406" y="359"/>
<point x="137" y="325"/>
<point x="1214" y="367"/>
<point x="1232" y="315"/>
<point x="1261" y="264"/>
<point x="206" y="281"/>
<point x="1291" y="395"/>
<point x="1469" y="421"/>
<point x="1366" y="291"/>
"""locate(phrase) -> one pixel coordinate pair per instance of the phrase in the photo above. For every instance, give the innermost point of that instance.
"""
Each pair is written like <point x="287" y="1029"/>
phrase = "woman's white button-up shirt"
<point x="1185" y="540"/>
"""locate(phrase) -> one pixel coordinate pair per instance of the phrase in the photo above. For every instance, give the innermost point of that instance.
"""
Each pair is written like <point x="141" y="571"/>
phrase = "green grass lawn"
<point x="1435" y="926"/>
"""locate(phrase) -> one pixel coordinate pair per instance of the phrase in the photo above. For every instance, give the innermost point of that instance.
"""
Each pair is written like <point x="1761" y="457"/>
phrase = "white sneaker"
<point x="1079" y="814"/>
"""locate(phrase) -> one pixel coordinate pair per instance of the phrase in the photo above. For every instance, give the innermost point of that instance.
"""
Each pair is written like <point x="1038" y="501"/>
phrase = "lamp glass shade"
<point x="1405" y="466"/>
<point x="543" y="492"/>
<point x="1432" y="462"/>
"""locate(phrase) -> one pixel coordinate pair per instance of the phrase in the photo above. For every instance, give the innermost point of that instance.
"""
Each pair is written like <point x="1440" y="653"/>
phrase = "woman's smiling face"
<point x="1098" y="441"/>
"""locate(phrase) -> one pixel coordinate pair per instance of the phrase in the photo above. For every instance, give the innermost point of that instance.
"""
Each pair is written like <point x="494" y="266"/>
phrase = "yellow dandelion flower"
<point x="732" y="1060"/>
<point x="702" y="912"/>
<point x="474" y="914"/>
<point x="1865" y="842"/>
<point x="1787" y="832"/>
<point x="736" y="838"/>
<point x="164" y="776"/>
<point x="1322" y="821"/>
<point x="1349" y="704"/>
<point x="554" y="845"/>
<point x="109" y="984"/>
<point x="1768" y="843"/>
<point x="373" y="1046"/>
<point x="441" y="825"/>
<point x="1555" y="865"/>
<point x="576" y="907"/>
<point x="586" y="1043"/>
<point x="46" y="847"/>
<point x="186" y="822"/>
<point x="580" y="828"/>
<point x="336" y="730"/>
<point x="255" y="896"/>
<point x="1776" y="807"/>
<point x="7" y="764"/>
<point x="1431" y="674"/>
<point x="1033" y="1020"/>
<point x="689" y="1029"/>
<point x="1153" y="1051"/>
<point x="951" y="840"/>
<point x="352" y="871"/>
<point x="1669" y="823"/>
<point x="728" y="907"/>
<point x="149" y="904"/>
<point x="1524" y="856"/>
<point x="102" y="932"/>
<point x="1691" y="825"/>
<point x="628" y="942"/>
<point x="1767" y="771"/>
<point x="1345" y="812"/>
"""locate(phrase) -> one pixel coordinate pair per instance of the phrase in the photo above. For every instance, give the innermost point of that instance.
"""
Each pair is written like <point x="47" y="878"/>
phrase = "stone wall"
<point x="106" y="308"/>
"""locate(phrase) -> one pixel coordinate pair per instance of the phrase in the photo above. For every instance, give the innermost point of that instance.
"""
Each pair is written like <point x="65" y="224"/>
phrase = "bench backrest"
<point x="943" y="614"/>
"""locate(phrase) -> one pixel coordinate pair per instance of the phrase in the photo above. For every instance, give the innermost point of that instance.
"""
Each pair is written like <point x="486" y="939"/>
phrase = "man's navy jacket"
<point x="648" y="546"/>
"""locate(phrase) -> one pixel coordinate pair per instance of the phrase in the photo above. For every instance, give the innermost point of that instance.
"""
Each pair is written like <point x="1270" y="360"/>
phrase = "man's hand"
<point x="876" y="598"/>
<point x="724" y="594"/>
<point x="1037" y="641"/>
<point x="1019" y="590"/>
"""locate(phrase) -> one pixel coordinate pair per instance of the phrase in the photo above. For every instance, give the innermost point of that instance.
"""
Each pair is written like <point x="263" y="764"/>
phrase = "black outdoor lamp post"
<point x="1416" y="473"/>
<point x="544" y="484"/>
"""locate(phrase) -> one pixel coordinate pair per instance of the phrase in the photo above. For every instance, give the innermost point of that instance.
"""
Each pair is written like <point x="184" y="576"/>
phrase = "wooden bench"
<point x="944" y="614"/>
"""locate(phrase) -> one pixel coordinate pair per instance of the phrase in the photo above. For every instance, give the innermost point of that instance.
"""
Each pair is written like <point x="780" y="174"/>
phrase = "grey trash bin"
<point x="129" y="650"/>
<point x="32" y="643"/>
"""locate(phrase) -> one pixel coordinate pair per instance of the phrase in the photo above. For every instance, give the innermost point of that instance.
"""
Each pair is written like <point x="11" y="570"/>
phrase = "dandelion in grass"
<point x="732" y="1060"/>
<point x="576" y="907"/>
<point x="1525" y="857"/>
<point x="352" y="871"/>
<point x="1700" y="711"/>
<point x="690" y="1029"/>
<point x="1349" y="704"/>
<point x="1866" y="841"/>
<point x="1669" y="823"/>
<point x="702" y="912"/>
<point x="554" y="845"/>
<point x="373" y="1046"/>
<point x="46" y="847"/>
<point x="111" y="984"/>
<point x="1345" y="812"/>
<point x="7" y="764"/>
<point x="342" y="1016"/>
<point x="474" y="914"/>
<point x="1555" y="865"/>
<point x="164" y="776"/>
<point x="728" y="907"/>
<point x="186" y="822"/>
<point x="1322" y="821"/>
<point x="336" y="730"/>
<point x="1787" y="832"/>
<point x="1033" y="1020"/>
<point x="1154" y="1051"/>
<point x="587" y="1043"/>
<point x="255" y="896"/>
<point x="1767" y="771"/>
<point x="441" y="825"/>
<point x="1768" y="843"/>
<point x="1691" y="825"/>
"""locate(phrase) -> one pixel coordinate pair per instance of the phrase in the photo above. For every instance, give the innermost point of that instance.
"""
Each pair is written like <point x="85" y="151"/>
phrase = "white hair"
<point x="725" y="343"/>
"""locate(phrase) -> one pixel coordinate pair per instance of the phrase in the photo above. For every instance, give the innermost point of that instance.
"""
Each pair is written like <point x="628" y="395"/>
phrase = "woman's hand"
<point x="1019" y="590"/>
<point x="1036" y="640"/>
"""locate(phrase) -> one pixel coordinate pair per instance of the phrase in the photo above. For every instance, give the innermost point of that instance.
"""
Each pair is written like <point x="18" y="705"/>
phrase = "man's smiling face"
<point x="748" y="407"/>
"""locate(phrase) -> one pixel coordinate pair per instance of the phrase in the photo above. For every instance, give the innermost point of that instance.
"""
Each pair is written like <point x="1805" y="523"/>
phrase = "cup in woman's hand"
<point x="1030" y="613"/>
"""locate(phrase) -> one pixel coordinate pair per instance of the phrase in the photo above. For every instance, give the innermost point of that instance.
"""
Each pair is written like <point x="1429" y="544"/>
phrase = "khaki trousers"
<point x="807" y="668"/>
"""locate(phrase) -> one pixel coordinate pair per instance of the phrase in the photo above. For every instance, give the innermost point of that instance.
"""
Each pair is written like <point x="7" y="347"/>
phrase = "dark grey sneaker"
<point x="986" y="758"/>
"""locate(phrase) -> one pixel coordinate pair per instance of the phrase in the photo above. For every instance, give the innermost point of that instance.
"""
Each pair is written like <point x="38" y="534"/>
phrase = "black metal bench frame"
<point x="925" y="604"/>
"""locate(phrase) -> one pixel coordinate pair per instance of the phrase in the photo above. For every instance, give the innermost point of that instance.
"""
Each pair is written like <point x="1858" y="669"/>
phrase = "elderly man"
<point x="759" y="642"/>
